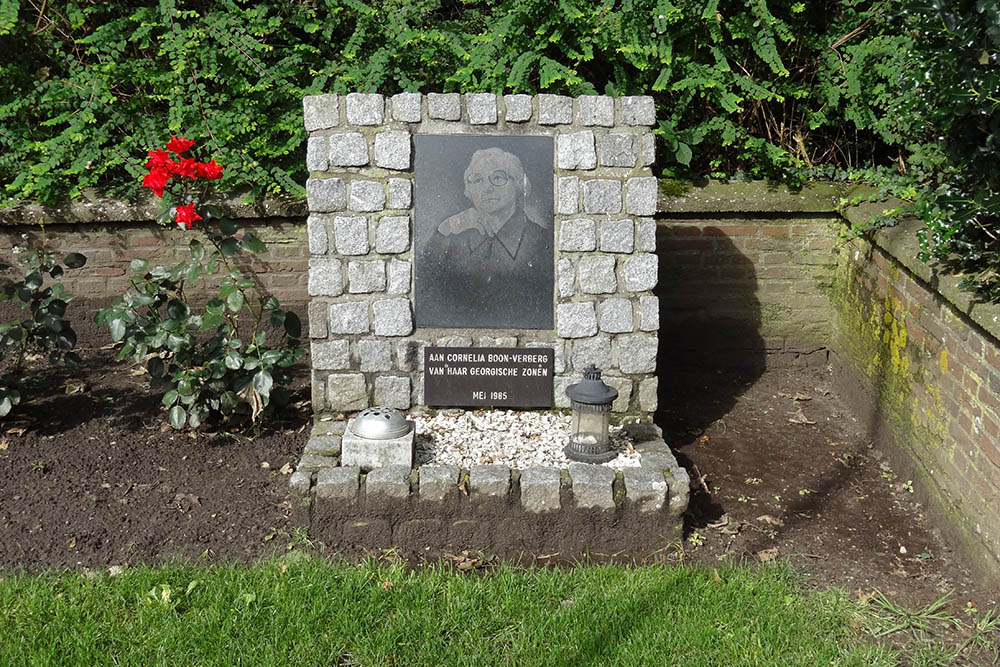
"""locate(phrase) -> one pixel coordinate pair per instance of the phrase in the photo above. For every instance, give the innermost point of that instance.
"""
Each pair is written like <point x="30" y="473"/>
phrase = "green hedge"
<point x="899" y="93"/>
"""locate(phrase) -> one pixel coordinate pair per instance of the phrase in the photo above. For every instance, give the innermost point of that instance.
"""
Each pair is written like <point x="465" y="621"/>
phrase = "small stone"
<point x="454" y="341"/>
<point x="602" y="196"/>
<point x="406" y="107"/>
<point x="326" y="194"/>
<point x="392" y="149"/>
<point x="596" y="274"/>
<point x="350" y="317"/>
<point x="348" y="149"/>
<point x="636" y="353"/>
<point x="639" y="110"/>
<point x="624" y="388"/>
<point x="518" y="108"/>
<point x="497" y="341"/>
<point x="369" y="454"/>
<point x="577" y="319"/>
<point x="560" y="383"/>
<point x="375" y="356"/>
<point x="325" y="277"/>
<point x="592" y="486"/>
<point x="410" y="355"/>
<point x="391" y="481"/>
<point x="555" y="110"/>
<point x="640" y="272"/>
<point x="615" y="315"/>
<point x="393" y="317"/>
<point x="366" y="277"/>
<point x="393" y="392"/>
<point x="314" y="462"/>
<point x="648" y="394"/>
<point x="327" y="444"/>
<point x="317" y="231"/>
<point x="540" y="487"/>
<point x="340" y="483"/>
<point x="317" y="154"/>
<point x="482" y="108"/>
<point x="595" y="350"/>
<point x="647" y="148"/>
<point x="596" y="110"/>
<point x="365" y="108"/>
<point x="330" y="355"/>
<point x="367" y="196"/>
<point x="399" y="277"/>
<point x="400" y="193"/>
<point x="640" y="195"/>
<point x="444" y="106"/>
<point x="318" y="313"/>
<point x="568" y="195"/>
<point x="392" y="234"/>
<point x="647" y="236"/>
<point x="350" y="235"/>
<point x="578" y="235"/>
<point x="489" y="481"/>
<point x="566" y="277"/>
<point x="619" y="150"/>
<point x="299" y="484"/>
<point x="575" y="150"/>
<point x="617" y="235"/>
<point x="649" y="313"/>
<point x="320" y="112"/>
<point x="346" y="392"/>
<point x="646" y="489"/>
<point x="438" y="483"/>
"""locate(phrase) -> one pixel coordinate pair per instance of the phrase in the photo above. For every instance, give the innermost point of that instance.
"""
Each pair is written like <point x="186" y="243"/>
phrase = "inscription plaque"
<point x="491" y="376"/>
<point x="483" y="231"/>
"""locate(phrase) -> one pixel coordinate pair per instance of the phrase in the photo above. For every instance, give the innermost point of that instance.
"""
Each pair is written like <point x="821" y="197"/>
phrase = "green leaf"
<point x="197" y="249"/>
<point x="5" y="406"/>
<point x="74" y="260"/>
<point x="235" y="301"/>
<point x="228" y="227"/>
<point x="683" y="154"/>
<point x="117" y="327"/>
<point x="293" y="325"/>
<point x="233" y="360"/>
<point x="139" y="265"/>
<point x="33" y="280"/>
<point x="253" y="244"/>
<point x="193" y="273"/>
<point x="229" y="247"/>
<point x="177" y="309"/>
<point x="155" y="367"/>
<point x="277" y="318"/>
<point x="170" y="397"/>
<point x="262" y="382"/>
<point x="177" y="417"/>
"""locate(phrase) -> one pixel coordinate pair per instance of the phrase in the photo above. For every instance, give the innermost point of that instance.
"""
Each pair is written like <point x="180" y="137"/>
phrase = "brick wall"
<point x="928" y="363"/>
<point x="110" y="246"/>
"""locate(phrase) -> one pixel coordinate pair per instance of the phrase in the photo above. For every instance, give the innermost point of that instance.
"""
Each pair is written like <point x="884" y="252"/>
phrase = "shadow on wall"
<point x="710" y="347"/>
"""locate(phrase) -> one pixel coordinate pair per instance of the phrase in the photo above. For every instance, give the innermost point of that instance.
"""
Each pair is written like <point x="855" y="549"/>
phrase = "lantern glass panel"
<point x="590" y="428"/>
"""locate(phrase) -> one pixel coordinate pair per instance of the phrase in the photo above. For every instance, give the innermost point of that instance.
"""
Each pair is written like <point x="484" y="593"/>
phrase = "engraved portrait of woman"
<point x="489" y="264"/>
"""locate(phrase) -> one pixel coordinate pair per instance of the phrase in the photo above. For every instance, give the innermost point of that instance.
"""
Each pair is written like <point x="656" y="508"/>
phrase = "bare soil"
<point x="91" y="476"/>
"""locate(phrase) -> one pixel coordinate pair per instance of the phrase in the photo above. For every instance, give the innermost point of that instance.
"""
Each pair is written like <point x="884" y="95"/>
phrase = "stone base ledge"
<point x="573" y="511"/>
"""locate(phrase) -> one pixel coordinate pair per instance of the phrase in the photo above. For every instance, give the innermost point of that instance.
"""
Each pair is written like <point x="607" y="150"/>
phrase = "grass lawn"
<point x="307" y="611"/>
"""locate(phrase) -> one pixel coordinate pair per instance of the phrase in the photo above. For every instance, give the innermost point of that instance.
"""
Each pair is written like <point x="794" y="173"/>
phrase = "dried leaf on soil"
<point x="286" y="469"/>
<point x="767" y="518"/>
<point x="75" y="387"/>
<point x="4" y="444"/>
<point x="800" y="418"/>
<point x="723" y="521"/>
<point x="17" y="430"/>
<point x="766" y="555"/>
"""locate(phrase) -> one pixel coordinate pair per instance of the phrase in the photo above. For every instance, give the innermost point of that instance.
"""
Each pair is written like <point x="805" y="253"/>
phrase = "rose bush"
<point x="210" y="363"/>
<point x="44" y="330"/>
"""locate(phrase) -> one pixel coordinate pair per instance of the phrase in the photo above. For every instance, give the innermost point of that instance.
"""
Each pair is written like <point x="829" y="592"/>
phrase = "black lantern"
<point x="591" y="402"/>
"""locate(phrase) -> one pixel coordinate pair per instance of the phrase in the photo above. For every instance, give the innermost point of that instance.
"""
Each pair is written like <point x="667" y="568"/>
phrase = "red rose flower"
<point x="186" y="214"/>
<point x="158" y="158"/>
<point x="187" y="168"/>
<point x="209" y="170"/>
<point x="156" y="180"/>
<point x="179" y="144"/>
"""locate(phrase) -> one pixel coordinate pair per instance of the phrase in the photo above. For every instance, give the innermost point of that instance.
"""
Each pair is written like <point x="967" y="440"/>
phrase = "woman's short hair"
<point x="493" y="159"/>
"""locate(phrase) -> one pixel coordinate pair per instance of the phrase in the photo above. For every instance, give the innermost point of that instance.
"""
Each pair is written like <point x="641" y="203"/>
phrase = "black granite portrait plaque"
<point x="483" y="230"/>
<point x="494" y="376"/>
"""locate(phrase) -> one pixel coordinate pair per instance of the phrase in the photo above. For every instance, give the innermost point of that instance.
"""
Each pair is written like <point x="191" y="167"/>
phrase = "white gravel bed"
<point x="509" y="437"/>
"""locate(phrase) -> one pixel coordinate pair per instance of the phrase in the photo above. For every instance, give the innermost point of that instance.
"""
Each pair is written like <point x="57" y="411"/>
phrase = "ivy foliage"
<point x="902" y="93"/>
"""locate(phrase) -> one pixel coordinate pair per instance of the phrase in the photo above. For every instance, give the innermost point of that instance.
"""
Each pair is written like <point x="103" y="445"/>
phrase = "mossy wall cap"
<point x="380" y="423"/>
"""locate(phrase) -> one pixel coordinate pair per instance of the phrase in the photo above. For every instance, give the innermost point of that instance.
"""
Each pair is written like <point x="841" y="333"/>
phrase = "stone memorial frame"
<point x="365" y="346"/>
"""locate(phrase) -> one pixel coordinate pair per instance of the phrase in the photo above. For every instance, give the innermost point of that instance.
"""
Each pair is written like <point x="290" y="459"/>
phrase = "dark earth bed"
<point x="91" y="476"/>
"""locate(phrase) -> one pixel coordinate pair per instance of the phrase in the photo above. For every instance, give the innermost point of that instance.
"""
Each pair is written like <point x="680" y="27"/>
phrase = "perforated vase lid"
<point x="380" y="423"/>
